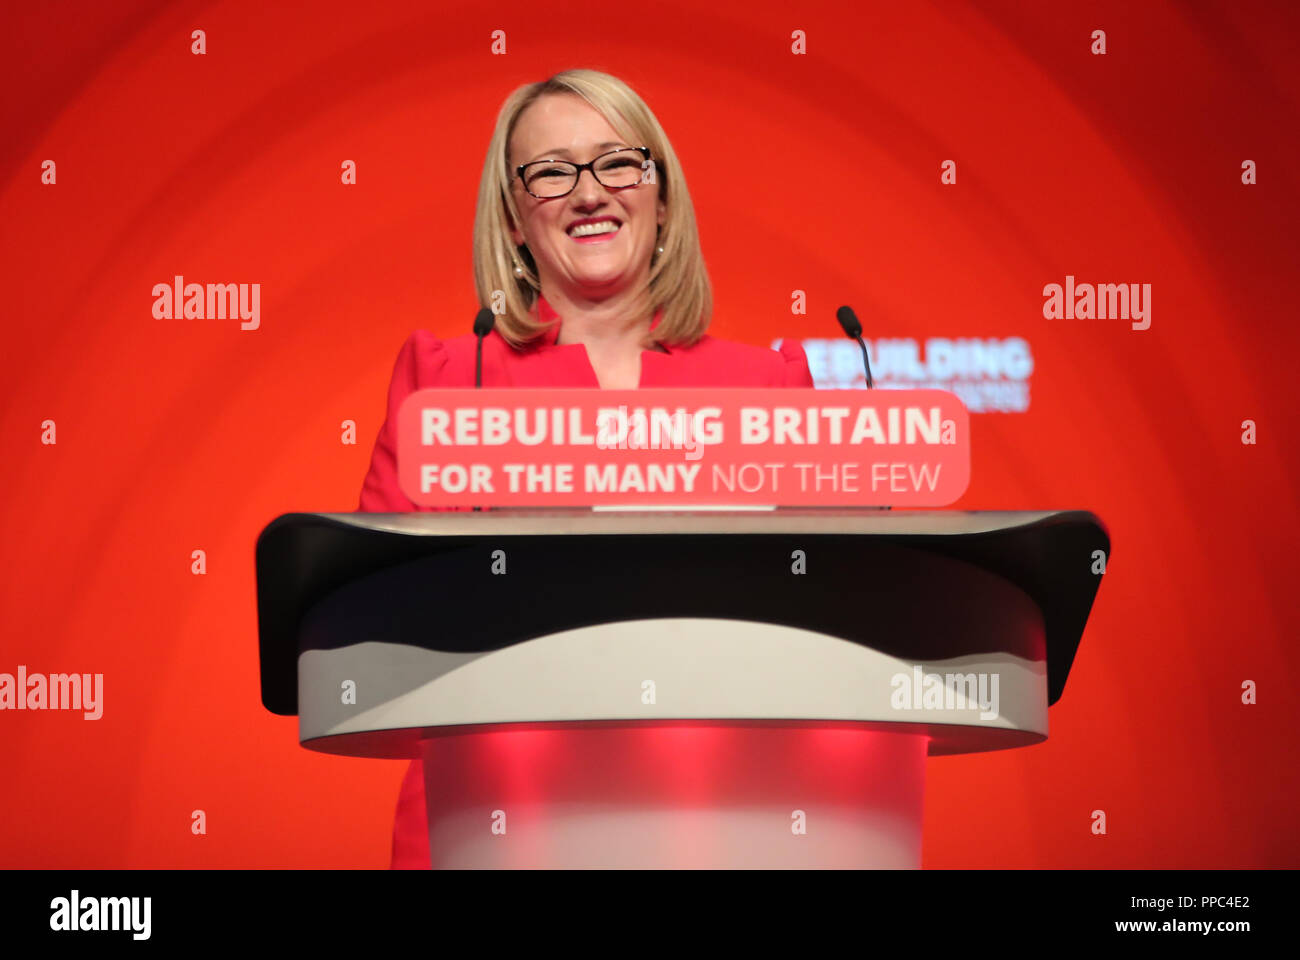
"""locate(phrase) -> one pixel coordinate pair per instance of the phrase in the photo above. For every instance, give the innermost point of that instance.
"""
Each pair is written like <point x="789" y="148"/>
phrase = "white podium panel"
<point x="690" y="796"/>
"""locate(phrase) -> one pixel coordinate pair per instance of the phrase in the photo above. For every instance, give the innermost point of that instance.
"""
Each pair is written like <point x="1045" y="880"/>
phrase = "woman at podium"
<point x="586" y="249"/>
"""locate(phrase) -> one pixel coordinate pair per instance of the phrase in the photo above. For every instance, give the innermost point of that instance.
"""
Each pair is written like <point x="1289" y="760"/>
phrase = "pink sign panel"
<point x="685" y="447"/>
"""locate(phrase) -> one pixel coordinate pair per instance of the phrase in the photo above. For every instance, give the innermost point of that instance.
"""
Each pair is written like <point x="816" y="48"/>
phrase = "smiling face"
<point x="588" y="265"/>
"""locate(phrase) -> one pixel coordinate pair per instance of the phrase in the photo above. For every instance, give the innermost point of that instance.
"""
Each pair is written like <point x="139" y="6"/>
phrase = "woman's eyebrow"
<point x="565" y="150"/>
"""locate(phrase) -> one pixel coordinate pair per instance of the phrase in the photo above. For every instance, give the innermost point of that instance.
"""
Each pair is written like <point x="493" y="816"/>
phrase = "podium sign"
<point x="697" y="447"/>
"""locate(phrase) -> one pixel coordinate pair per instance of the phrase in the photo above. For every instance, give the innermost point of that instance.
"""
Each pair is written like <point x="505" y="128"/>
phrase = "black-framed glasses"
<point x="616" y="170"/>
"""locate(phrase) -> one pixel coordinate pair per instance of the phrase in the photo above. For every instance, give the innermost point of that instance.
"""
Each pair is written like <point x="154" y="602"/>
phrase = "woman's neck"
<point x="606" y="324"/>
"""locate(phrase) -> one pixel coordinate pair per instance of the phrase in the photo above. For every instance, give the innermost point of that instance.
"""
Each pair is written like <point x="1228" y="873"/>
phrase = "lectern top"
<point x="1052" y="556"/>
<point x="783" y="520"/>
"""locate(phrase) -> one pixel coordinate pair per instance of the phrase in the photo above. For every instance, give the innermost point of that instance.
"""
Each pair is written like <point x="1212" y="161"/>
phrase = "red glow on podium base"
<point x="689" y="795"/>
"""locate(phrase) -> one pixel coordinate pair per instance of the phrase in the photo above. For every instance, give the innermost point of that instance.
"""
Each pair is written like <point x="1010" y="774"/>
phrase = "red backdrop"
<point x="177" y="435"/>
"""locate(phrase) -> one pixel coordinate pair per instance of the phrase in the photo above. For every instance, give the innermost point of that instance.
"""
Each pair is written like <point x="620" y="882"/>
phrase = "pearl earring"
<point x="519" y="271"/>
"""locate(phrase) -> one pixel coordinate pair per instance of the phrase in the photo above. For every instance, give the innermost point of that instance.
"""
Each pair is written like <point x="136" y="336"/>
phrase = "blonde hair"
<point x="678" y="282"/>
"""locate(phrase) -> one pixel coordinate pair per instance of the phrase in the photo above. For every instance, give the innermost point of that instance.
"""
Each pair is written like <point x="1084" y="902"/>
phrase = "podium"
<point x="665" y="689"/>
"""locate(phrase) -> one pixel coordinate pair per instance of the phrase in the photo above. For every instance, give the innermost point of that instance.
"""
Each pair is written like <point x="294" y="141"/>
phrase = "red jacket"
<point x="427" y="361"/>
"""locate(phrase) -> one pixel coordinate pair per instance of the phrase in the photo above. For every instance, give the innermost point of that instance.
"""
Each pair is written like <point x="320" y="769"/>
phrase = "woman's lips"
<point x="598" y="237"/>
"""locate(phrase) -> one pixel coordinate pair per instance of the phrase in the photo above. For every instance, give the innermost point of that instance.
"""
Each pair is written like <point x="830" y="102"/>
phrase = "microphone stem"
<point x="866" y="365"/>
<point x="478" y="375"/>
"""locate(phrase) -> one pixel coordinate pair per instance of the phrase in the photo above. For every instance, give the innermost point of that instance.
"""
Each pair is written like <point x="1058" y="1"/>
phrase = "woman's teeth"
<point x="591" y="229"/>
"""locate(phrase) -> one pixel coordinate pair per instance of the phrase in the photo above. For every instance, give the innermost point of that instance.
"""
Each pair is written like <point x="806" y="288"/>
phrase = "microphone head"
<point x="849" y="321"/>
<point x="484" y="322"/>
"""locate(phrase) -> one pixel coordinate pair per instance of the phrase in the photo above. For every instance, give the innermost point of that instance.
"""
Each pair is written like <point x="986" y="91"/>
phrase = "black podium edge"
<point x="300" y="558"/>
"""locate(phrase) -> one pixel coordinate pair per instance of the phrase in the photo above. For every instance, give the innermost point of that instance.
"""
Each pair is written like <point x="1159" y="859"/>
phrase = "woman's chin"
<point x="601" y="279"/>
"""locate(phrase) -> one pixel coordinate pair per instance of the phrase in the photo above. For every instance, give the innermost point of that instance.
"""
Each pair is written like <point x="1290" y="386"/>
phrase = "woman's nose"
<point x="588" y="189"/>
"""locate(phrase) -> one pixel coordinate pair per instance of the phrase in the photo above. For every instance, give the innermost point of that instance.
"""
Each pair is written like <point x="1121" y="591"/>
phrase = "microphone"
<point x="849" y="321"/>
<point x="483" y="324"/>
